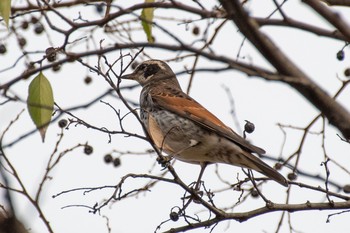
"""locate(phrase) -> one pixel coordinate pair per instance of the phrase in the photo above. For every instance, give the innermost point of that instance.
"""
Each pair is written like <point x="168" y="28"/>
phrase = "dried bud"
<point x="22" y="42"/>
<point x="88" y="149"/>
<point x="278" y="166"/>
<point x="87" y="80"/>
<point x="56" y="67"/>
<point x="116" y="162"/>
<point x="195" y="30"/>
<point x="254" y="193"/>
<point x="3" y="49"/>
<point x="99" y="8"/>
<point x="51" y="54"/>
<point x="347" y="72"/>
<point x="24" y="25"/>
<point x="174" y="216"/>
<point x="346" y="188"/>
<point x="108" y="158"/>
<point x="340" y="55"/>
<point x="62" y="123"/>
<point x="34" y="20"/>
<point x="38" y="28"/>
<point x="292" y="176"/>
<point x="249" y="127"/>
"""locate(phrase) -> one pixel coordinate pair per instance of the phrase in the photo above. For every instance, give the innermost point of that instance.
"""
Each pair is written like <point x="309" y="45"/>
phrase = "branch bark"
<point x="336" y="114"/>
<point x="244" y="216"/>
<point x="292" y="23"/>
<point x="332" y="17"/>
<point x="337" y="2"/>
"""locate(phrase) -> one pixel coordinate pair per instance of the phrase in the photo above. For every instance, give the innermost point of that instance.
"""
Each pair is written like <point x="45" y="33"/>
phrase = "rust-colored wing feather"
<point x="187" y="107"/>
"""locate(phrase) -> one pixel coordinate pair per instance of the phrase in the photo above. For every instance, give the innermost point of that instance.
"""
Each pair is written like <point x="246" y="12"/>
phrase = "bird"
<point x="185" y="130"/>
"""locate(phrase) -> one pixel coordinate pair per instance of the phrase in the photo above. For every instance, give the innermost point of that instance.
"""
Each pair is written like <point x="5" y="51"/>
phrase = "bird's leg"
<point x="198" y="183"/>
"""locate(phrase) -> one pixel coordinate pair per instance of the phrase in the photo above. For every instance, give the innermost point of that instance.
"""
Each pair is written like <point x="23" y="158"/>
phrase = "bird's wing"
<point x="187" y="107"/>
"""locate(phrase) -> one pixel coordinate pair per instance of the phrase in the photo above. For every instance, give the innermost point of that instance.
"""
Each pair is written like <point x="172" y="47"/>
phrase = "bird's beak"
<point x="128" y="76"/>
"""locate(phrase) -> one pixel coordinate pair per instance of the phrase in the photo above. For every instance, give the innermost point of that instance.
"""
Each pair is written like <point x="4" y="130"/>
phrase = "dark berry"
<point x="346" y="188"/>
<point x="88" y="149"/>
<point x="34" y="20"/>
<point x="254" y="193"/>
<point x="56" y="67"/>
<point x="292" y="176"/>
<point x="340" y="55"/>
<point x="87" y="80"/>
<point x="24" y="25"/>
<point x="195" y="30"/>
<point x="174" y="216"/>
<point x="99" y="8"/>
<point x="22" y="42"/>
<point x="39" y="28"/>
<point x="249" y="127"/>
<point x="51" y="54"/>
<point x="108" y="158"/>
<point x="278" y="166"/>
<point x="347" y="72"/>
<point x="116" y="162"/>
<point x="62" y="123"/>
<point x="3" y="49"/>
<point x="134" y="65"/>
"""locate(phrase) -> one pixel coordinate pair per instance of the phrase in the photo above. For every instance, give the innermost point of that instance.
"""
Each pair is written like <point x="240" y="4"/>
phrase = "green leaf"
<point x="5" y="9"/>
<point x="40" y="103"/>
<point x="147" y="18"/>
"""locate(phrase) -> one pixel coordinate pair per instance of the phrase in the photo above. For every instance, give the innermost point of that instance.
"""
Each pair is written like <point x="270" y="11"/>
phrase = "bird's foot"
<point x="164" y="160"/>
<point x="197" y="193"/>
<point x="197" y="198"/>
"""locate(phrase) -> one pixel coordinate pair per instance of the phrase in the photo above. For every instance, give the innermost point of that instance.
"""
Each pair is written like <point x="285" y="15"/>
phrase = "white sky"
<point x="263" y="103"/>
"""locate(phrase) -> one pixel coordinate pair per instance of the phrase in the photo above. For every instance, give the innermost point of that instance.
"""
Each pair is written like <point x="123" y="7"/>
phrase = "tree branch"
<point x="336" y="114"/>
<point x="332" y="17"/>
<point x="244" y="216"/>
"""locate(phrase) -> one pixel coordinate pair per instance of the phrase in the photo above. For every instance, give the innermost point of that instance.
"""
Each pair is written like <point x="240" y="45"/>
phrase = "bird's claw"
<point x="164" y="160"/>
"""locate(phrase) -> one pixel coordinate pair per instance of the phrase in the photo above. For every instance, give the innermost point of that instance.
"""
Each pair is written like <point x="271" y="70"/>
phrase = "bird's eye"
<point x="142" y="67"/>
<point x="151" y="70"/>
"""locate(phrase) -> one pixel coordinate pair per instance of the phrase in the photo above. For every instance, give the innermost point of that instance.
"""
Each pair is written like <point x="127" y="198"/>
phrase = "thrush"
<point x="185" y="130"/>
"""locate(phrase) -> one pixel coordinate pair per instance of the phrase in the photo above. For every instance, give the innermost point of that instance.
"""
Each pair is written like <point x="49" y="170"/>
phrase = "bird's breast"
<point x="182" y="138"/>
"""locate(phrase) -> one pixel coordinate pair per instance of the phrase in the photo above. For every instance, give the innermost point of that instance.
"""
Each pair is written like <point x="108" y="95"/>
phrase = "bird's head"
<point x="152" y="72"/>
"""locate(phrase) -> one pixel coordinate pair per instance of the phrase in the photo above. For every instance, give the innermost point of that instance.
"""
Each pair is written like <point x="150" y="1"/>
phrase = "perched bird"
<point x="185" y="130"/>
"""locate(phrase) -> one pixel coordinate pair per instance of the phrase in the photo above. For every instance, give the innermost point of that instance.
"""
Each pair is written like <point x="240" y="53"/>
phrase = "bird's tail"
<point x="252" y="162"/>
